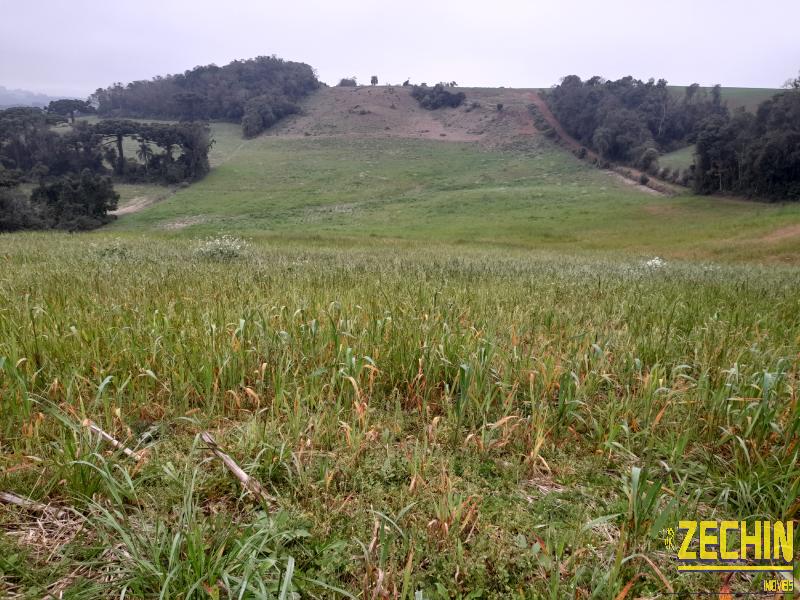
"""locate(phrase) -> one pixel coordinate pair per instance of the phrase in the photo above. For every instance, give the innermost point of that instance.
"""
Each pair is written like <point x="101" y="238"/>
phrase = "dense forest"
<point x="752" y="154"/>
<point x="629" y="120"/>
<point x="633" y="122"/>
<point x="256" y="92"/>
<point x="72" y="170"/>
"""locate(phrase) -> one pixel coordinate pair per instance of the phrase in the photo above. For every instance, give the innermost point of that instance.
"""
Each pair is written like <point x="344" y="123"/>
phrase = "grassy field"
<point x="434" y="419"/>
<point x="680" y="159"/>
<point x="456" y="373"/>
<point x="341" y="188"/>
<point x="747" y="98"/>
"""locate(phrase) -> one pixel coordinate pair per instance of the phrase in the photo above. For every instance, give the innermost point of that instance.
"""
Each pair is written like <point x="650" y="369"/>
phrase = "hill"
<point x="9" y="98"/>
<point x="466" y="175"/>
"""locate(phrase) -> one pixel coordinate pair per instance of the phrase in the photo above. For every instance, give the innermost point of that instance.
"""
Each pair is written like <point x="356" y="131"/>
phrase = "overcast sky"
<point x="72" y="47"/>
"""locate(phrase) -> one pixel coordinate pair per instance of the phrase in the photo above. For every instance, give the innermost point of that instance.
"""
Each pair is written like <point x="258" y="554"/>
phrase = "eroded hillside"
<point x="492" y="116"/>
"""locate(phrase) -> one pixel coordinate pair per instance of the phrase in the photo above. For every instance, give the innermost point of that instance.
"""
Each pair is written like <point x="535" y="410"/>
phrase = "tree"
<point x="209" y="92"/>
<point x="76" y="202"/>
<point x="436" y="97"/>
<point x="16" y="213"/>
<point x="145" y="152"/>
<point x="374" y="80"/>
<point x="115" y="130"/>
<point x="68" y="108"/>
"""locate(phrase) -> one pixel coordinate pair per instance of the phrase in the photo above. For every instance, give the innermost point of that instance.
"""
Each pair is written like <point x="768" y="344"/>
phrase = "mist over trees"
<point x="256" y="92"/>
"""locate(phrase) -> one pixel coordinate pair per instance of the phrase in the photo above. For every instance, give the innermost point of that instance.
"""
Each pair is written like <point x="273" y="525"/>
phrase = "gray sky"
<point x="72" y="47"/>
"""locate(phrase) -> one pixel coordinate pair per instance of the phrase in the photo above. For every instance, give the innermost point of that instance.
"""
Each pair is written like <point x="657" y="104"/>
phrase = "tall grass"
<point x="517" y="425"/>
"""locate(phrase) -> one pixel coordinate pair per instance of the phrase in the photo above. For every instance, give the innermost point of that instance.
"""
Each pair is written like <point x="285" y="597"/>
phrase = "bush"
<point x="16" y="213"/>
<point x="347" y="82"/>
<point x="648" y="159"/>
<point x="75" y="203"/>
<point x="225" y="248"/>
<point x="436" y="97"/>
<point x="581" y="153"/>
<point x="644" y="179"/>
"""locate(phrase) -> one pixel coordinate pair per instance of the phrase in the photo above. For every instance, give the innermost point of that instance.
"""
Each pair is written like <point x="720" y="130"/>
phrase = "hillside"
<point x="390" y="111"/>
<point x="456" y="176"/>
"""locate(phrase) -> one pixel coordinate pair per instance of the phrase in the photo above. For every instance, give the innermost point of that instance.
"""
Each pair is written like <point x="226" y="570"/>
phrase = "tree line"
<point x="629" y="120"/>
<point x="255" y="92"/>
<point x="72" y="171"/>
<point x="633" y="122"/>
<point x="752" y="154"/>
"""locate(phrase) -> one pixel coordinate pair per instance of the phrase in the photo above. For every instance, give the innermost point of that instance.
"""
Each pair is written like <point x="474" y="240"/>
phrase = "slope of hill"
<point x="335" y="174"/>
<point x="390" y="111"/>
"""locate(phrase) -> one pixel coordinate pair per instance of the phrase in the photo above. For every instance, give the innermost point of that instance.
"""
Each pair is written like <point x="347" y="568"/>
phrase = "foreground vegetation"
<point x="432" y="423"/>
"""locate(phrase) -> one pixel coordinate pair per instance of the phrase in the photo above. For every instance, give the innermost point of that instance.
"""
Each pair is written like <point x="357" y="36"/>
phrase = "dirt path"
<point x="783" y="233"/>
<point x="629" y="174"/>
<point x="141" y="202"/>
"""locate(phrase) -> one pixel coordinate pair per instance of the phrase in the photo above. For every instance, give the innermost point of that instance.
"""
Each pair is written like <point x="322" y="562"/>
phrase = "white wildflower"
<point x="226" y="247"/>
<point x="655" y="263"/>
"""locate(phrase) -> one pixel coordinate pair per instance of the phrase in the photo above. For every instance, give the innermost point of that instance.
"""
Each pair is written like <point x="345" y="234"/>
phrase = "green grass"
<point x="417" y="413"/>
<point x="737" y="97"/>
<point x="331" y="189"/>
<point x="677" y="160"/>
<point x="453" y="369"/>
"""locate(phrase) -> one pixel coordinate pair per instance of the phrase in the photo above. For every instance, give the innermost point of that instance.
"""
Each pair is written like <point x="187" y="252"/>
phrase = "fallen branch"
<point x="30" y="505"/>
<point x="137" y="456"/>
<point x="247" y="482"/>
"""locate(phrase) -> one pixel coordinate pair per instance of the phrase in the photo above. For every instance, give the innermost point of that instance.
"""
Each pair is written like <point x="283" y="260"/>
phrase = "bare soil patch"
<point x="141" y="202"/>
<point x="783" y="233"/>
<point x="390" y="111"/>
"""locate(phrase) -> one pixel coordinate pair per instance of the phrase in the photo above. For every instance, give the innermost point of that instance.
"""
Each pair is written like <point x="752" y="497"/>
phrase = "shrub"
<point x="581" y="153"/>
<point x="224" y="248"/>
<point x="499" y="106"/>
<point x="644" y="179"/>
<point x="436" y="97"/>
<point x="16" y="212"/>
<point x="648" y="159"/>
<point x="75" y="203"/>
<point x="347" y="82"/>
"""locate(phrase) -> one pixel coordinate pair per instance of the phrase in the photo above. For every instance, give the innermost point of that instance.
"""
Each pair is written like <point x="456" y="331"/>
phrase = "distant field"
<point x="748" y="98"/>
<point x="541" y="198"/>
<point x="680" y="159"/>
